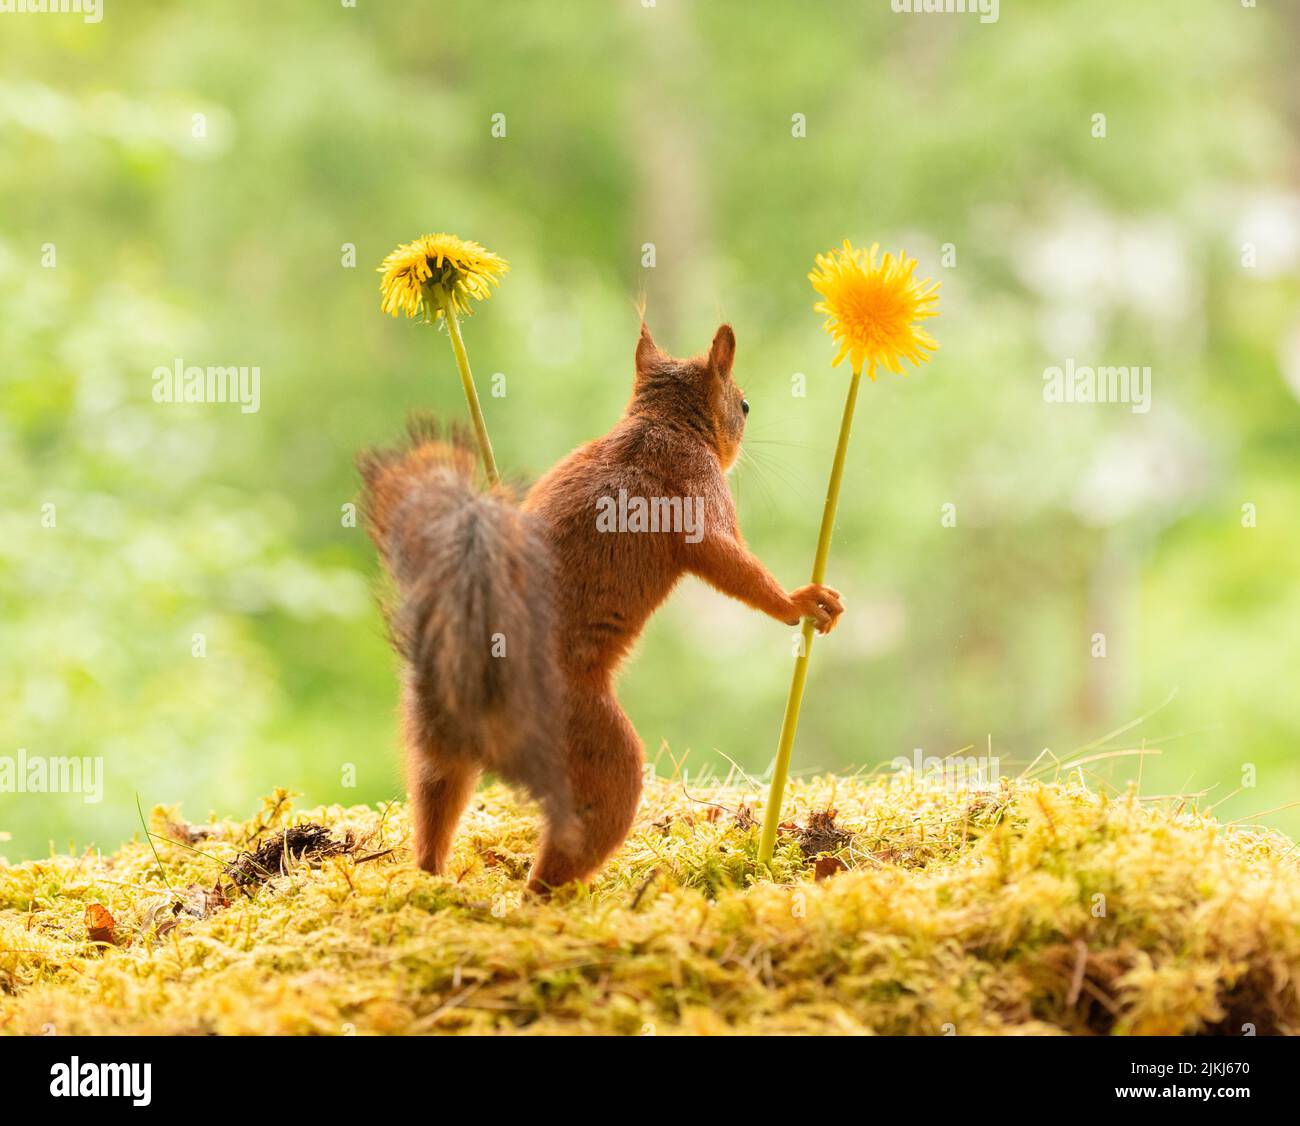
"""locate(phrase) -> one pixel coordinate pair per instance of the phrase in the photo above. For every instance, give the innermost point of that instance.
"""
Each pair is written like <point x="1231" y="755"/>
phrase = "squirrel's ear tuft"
<point x="647" y="351"/>
<point x="722" y="354"/>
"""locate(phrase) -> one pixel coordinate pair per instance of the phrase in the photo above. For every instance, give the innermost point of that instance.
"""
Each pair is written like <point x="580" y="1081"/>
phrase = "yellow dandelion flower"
<point x="436" y="276"/>
<point x="434" y="271"/>
<point x="872" y="312"/>
<point x="873" y="307"/>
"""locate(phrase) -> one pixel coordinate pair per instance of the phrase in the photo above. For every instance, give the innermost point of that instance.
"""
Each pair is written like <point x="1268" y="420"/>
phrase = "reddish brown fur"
<point x="679" y="435"/>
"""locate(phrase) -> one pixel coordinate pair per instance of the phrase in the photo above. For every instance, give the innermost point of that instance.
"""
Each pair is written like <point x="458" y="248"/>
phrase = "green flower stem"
<point x="772" y="816"/>
<point x="471" y="395"/>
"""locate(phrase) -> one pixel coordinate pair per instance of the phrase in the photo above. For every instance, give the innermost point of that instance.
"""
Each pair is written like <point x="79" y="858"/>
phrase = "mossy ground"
<point x="1039" y="908"/>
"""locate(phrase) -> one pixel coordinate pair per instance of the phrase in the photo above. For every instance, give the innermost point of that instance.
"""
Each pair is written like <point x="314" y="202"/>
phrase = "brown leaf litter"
<point x="308" y="843"/>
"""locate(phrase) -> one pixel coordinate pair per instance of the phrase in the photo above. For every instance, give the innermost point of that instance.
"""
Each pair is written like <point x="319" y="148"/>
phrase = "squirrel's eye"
<point x="744" y="406"/>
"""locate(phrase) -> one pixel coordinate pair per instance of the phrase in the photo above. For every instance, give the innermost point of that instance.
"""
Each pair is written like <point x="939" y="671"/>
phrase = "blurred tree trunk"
<point x="671" y="210"/>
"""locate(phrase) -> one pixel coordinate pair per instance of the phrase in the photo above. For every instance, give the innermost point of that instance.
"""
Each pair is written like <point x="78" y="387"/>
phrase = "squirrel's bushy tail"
<point x="474" y="612"/>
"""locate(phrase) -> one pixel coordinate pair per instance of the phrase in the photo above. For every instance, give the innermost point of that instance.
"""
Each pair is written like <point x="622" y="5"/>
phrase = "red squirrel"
<point x="512" y="619"/>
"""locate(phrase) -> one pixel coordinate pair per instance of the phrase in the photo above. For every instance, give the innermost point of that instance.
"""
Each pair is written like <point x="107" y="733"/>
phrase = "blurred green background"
<point x="1173" y="241"/>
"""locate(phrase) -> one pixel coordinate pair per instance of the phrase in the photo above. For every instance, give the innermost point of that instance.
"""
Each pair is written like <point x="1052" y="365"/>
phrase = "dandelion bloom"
<point x="872" y="312"/>
<point x="420" y="276"/>
<point x="872" y="307"/>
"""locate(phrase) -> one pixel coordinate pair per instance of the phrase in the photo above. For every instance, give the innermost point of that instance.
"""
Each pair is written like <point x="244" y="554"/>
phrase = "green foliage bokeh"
<point x="327" y="126"/>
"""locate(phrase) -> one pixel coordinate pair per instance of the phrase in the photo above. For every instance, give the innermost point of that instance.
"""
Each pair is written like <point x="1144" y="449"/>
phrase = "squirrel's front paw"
<point x="821" y="603"/>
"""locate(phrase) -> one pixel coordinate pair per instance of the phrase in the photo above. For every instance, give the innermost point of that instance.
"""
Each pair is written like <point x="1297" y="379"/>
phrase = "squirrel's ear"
<point x="647" y="351"/>
<point x="722" y="354"/>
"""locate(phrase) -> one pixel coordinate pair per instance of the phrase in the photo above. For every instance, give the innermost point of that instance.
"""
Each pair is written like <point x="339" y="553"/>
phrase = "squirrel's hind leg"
<point x="605" y="766"/>
<point x="439" y="783"/>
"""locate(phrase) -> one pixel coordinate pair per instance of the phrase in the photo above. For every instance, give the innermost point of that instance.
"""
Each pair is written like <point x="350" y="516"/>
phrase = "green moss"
<point x="1045" y="908"/>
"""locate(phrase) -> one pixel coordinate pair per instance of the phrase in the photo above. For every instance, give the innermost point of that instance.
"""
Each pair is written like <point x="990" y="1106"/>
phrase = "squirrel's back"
<point x="609" y="582"/>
